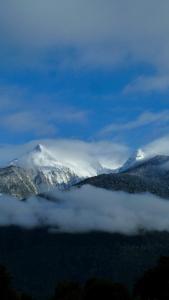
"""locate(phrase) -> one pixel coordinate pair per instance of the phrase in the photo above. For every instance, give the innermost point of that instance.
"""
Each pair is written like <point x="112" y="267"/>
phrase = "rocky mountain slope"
<point x="17" y="182"/>
<point x="40" y="170"/>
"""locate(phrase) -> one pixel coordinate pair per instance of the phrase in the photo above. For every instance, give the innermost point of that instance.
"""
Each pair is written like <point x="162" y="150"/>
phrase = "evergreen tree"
<point x="6" y="291"/>
<point x="154" y="285"/>
<point x="68" y="290"/>
<point x="105" y="289"/>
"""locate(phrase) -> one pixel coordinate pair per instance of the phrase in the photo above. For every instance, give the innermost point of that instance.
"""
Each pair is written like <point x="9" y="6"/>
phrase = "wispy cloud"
<point x="148" y="84"/>
<point x="76" y="152"/>
<point x="40" y="114"/>
<point x="97" y="210"/>
<point x="29" y="122"/>
<point x="144" y="119"/>
<point x="158" y="146"/>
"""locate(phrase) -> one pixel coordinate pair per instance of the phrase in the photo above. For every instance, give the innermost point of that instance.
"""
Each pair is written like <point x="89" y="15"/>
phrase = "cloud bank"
<point x="77" y="152"/>
<point x="88" y="209"/>
<point x="145" y="119"/>
<point x="159" y="146"/>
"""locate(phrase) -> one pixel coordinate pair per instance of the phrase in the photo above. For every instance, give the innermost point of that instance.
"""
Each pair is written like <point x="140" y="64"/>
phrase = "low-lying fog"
<point x="87" y="209"/>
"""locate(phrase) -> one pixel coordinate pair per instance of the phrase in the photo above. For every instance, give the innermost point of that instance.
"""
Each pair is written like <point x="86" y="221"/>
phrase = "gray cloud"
<point x="87" y="209"/>
<point x="98" y="33"/>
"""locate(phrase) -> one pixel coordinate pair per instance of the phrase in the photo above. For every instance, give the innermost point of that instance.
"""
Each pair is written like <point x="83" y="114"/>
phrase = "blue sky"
<point x="90" y="70"/>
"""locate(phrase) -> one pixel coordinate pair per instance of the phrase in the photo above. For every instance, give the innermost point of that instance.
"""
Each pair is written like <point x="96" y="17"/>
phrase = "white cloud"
<point x="146" y="118"/>
<point x="158" y="146"/>
<point x="84" y="154"/>
<point x="86" y="209"/>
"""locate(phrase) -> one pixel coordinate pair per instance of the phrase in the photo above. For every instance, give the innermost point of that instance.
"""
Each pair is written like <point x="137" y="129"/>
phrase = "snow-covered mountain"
<point x="46" y="169"/>
<point x="17" y="182"/>
<point x="140" y="174"/>
<point x="41" y="158"/>
<point x="49" y="170"/>
<point x="138" y="157"/>
<point x="42" y="168"/>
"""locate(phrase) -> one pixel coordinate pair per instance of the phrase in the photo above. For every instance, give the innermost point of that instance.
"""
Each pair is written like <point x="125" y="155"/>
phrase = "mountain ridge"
<point x="150" y="175"/>
<point x="39" y="170"/>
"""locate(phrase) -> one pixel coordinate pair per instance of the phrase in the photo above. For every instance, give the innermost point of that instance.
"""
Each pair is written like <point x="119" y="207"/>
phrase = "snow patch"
<point x="137" y="157"/>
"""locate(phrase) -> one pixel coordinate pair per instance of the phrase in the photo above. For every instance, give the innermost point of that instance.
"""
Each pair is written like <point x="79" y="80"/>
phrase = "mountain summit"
<point x="44" y="167"/>
<point x="47" y="167"/>
<point x="39" y="148"/>
<point x="39" y="157"/>
<point x="137" y="157"/>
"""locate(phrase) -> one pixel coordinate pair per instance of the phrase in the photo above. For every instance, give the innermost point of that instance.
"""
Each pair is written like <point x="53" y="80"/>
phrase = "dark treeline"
<point x="153" y="285"/>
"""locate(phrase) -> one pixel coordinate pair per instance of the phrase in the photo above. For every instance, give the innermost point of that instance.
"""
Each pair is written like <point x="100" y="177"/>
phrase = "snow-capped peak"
<point x="54" y="168"/>
<point x="39" y="148"/>
<point x="137" y="157"/>
<point x="39" y="157"/>
<point x="139" y="154"/>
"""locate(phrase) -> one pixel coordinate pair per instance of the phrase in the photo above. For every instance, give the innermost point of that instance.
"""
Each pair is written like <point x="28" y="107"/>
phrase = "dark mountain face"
<point x="149" y="176"/>
<point x="156" y="167"/>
